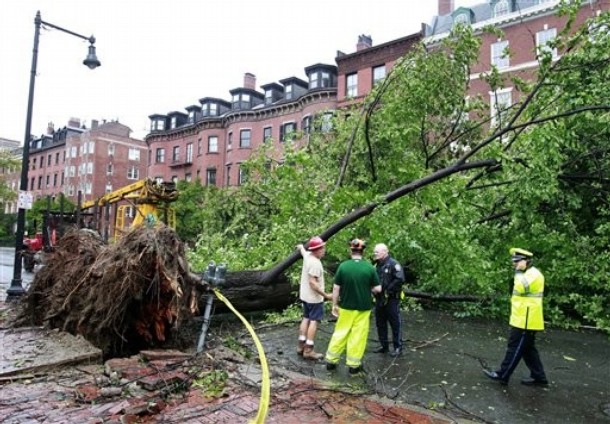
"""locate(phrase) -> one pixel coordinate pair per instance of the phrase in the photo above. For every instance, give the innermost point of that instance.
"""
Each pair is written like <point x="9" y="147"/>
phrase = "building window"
<point x="176" y="154"/>
<point x="228" y="175"/>
<point x="268" y="97"/>
<point x="351" y="85"/>
<point x="41" y="158"/>
<point x="90" y="168"/>
<point x="39" y="182"/>
<point x="133" y="173"/>
<point x="88" y="187"/>
<point x="326" y="122"/>
<point x="48" y="181"/>
<point x="501" y="8"/>
<point x="199" y="147"/>
<point x="189" y="153"/>
<point x="543" y="38"/>
<point x="49" y="160"/>
<point x="243" y="175"/>
<point x="213" y="144"/>
<point x="174" y="122"/>
<point x="230" y="142"/>
<point x="288" y="92"/>
<point x="500" y="102"/>
<point x="109" y="169"/>
<point x="191" y="116"/>
<point x="213" y="109"/>
<point x="313" y="80"/>
<point x="499" y="54"/>
<point x="55" y="179"/>
<point x="188" y="178"/>
<point x="288" y="131"/>
<point x="108" y="188"/>
<point x="267" y="134"/>
<point x="57" y="158"/>
<point x="378" y="74"/>
<point x="110" y="149"/>
<point x="160" y="155"/>
<point x="244" y="138"/>
<point x="306" y="125"/>
<point x="134" y="154"/>
<point x="210" y="177"/>
<point x="461" y="18"/>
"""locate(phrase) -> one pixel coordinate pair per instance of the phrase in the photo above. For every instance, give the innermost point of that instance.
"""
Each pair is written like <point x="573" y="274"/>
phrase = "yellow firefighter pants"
<point x="351" y="330"/>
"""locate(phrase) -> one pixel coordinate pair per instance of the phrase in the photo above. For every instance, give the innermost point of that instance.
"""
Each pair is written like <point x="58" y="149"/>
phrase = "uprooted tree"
<point x="120" y="297"/>
<point x="452" y="187"/>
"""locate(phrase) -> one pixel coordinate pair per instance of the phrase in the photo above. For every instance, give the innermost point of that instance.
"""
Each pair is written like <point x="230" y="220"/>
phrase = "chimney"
<point x="249" y="81"/>
<point x="94" y="124"/>
<point x="445" y="7"/>
<point x="364" y="42"/>
<point x="50" y="128"/>
<point x="74" y="122"/>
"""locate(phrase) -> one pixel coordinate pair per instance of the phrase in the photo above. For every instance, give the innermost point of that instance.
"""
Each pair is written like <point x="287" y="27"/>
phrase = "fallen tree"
<point x="120" y="297"/>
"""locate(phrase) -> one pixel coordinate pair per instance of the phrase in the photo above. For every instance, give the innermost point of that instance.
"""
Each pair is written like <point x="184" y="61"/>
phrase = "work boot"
<point x="309" y="353"/>
<point x="300" y="347"/>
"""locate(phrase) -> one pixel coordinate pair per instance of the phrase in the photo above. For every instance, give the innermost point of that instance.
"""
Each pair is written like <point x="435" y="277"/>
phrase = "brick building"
<point x="213" y="138"/>
<point x="528" y="27"/>
<point x="73" y="158"/>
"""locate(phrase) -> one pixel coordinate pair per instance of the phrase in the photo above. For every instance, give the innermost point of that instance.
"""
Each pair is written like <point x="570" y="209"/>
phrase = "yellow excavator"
<point x="148" y="199"/>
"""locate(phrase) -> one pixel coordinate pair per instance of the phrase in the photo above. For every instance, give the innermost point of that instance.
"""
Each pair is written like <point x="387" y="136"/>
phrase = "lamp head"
<point x="91" y="61"/>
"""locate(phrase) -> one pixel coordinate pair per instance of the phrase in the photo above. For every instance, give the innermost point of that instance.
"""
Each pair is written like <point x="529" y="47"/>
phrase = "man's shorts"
<point x="313" y="311"/>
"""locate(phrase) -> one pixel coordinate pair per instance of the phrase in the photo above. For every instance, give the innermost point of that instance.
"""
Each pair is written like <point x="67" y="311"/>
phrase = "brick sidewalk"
<point x="76" y="395"/>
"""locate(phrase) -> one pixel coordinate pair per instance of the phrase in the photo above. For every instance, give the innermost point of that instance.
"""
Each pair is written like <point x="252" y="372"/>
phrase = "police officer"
<point x="387" y="303"/>
<point x="526" y="319"/>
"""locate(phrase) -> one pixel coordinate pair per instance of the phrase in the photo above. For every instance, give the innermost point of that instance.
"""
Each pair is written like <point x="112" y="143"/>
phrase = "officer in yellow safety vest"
<point x="526" y="319"/>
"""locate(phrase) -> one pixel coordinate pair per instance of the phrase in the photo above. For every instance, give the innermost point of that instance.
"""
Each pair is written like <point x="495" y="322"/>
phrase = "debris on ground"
<point x="121" y="297"/>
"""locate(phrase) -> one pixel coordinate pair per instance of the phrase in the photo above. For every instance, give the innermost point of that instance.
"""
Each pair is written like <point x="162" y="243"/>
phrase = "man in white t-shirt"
<point x="312" y="296"/>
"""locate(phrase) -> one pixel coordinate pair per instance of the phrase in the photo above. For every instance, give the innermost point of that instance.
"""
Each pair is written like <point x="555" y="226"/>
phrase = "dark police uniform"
<point x="387" y="304"/>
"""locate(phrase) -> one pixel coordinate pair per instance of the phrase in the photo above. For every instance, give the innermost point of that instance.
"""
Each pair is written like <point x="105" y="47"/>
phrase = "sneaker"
<point x="529" y="381"/>
<point x="495" y="376"/>
<point x="331" y="366"/>
<point x="354" y="371"/>
<point x="397" y="352"/>
<point x="381" y="350"/>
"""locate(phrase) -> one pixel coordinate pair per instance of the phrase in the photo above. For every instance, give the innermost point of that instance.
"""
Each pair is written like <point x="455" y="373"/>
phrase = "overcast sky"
<point x="159" y="56"/>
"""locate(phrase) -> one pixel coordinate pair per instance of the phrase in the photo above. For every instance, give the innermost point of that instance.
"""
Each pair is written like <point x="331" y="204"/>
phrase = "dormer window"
<point x="191" y="116"/>
<point x="241" y="101"/>
<point x="462" y="18"/>
<point x="213" y="109"/>
<point x="313" y="80"/>
<point x="288" y="92"/>
<point x="501" y="8"/>
<point x="174" y="122"/>
<point x="268" y="97"/>
<point x="157" y="125"/>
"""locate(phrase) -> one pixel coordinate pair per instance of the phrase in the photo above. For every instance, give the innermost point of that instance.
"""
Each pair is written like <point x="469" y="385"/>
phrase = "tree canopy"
<point x="424" y="168"/>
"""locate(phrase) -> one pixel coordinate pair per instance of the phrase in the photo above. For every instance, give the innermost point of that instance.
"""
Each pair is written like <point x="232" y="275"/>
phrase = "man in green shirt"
<point x="355" y="281"/>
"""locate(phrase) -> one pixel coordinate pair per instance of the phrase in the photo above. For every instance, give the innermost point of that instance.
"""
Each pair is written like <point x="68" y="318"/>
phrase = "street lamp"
<point x="16" y="289"/>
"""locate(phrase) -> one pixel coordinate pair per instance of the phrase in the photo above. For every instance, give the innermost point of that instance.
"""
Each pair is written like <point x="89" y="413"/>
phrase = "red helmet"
<point x="357" y="244"/>
<point x="315" y="243"/>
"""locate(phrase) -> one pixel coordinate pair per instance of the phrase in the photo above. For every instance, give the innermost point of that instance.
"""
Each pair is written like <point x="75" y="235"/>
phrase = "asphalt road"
<point x="7" y="260"/>
<point x="442" y="370"/>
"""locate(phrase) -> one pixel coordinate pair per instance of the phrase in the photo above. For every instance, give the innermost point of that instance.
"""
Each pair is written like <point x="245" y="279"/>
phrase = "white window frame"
<point x="245" y="142"/>
<point x="499" y="55"/>
<point x="351" y="85"/>
<point x="378" y="75"/>
<point x="501" y="8"/>
<point x="213" y="146"/>
<point x="543" y="38"/>
<point x="133" y="173"/>
<point x="134" y="154"/>
<point x="505" y="99"/>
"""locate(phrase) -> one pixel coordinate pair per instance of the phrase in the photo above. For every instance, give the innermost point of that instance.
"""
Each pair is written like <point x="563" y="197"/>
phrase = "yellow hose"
<point x="263" y="405"/>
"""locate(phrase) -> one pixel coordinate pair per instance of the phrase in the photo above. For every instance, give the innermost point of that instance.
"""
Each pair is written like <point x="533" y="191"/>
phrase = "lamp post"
<point x="16" y="289"/>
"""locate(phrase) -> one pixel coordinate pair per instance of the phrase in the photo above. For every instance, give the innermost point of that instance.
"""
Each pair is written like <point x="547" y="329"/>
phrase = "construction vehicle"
<point x="143" y="202"/>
